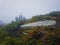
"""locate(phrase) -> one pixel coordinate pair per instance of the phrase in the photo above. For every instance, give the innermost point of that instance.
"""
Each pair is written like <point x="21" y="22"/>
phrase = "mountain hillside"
<point x="13" y="34"/>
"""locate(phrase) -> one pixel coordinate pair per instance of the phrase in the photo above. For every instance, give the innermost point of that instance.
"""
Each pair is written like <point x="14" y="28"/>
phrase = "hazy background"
<point x="9" y="9"/>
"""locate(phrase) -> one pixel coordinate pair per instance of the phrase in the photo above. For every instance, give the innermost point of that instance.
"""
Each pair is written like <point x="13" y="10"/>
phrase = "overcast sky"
<point x="9" y="9"/>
